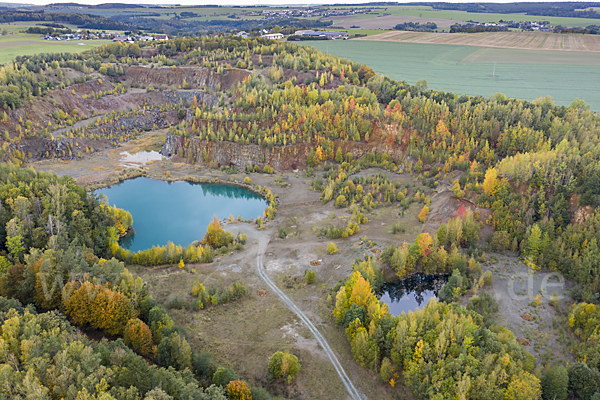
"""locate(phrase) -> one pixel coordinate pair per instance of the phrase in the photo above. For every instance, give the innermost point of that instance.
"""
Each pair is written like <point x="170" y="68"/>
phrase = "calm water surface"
<point x="411" y="293"/>
<point x="178" y="211"/>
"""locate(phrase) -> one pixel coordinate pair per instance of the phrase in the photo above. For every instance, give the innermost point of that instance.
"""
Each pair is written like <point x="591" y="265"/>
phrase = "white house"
<point x="275" y="36"/>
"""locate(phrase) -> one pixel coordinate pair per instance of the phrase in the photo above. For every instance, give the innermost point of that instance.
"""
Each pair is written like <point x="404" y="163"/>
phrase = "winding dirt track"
<point x="263" y="241"/>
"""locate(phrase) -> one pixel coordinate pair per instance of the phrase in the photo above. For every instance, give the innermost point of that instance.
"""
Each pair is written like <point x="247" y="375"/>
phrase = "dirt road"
<point x="263" y="241"/>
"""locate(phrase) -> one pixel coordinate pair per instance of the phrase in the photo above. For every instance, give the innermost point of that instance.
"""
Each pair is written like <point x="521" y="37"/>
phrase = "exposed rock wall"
<point x="281" y="158"/>
<point x="197" y="77"/>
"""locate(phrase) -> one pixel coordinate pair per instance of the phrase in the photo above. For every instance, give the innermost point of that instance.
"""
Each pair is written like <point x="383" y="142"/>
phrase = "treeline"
<point x="590" y="30"/>
<point x="416" y="26"/>
<point x="46" y="31"/>
<point x="469" y="28"/>
<point x="84" y="21"/>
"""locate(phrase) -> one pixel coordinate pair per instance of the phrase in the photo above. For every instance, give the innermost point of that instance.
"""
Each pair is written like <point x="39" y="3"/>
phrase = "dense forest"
<point x="534" y="165"/>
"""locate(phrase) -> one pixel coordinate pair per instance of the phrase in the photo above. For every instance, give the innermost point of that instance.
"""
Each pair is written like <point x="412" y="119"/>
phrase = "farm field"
<point x="461" y="70"/>
<point x="389" y="21"/>
<point x="514" y="40"/>
<point x="16" y="44"/>
<point x="425" y="13"/>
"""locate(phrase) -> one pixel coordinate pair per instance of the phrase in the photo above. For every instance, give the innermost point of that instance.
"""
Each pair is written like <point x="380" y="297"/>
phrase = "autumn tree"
<point x="215" y="235"/>
<point x="284" y="366"/>
<point x="238" y="390"/>
<point x="331" y="248"/>
<point x="422" y="216"/>
<point x="99" y="307"/>
<point x="310" y="276"/>
<point x="489" y="183"/>
<point x="138" y="336"/>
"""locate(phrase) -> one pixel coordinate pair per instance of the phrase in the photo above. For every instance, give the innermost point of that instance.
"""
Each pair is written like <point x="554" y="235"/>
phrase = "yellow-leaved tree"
<point x="489" y="183"/>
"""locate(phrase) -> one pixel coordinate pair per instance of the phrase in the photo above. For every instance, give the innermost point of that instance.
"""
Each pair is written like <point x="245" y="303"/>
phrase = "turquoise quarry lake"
<point x="178" y="212"/>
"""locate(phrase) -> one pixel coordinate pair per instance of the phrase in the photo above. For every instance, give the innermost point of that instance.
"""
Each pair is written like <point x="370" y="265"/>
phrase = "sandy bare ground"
<point x="389" y="21"/>
<point x="503" y="40"/>
<point x="515" y="288"/>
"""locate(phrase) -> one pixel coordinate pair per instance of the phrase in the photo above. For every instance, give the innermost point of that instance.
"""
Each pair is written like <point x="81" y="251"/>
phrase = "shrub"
<point x="340" y="201"/>
<point x="247" y="180"/>
<point x="387" y="371"/>
<point x="238" y="390"/>
<point x="423" y="214"/>
<point x="259" y="393"/>
<point x="331" y="248"/>
<point x="397" y="228"/>
<point x="284" y="366"/>
<point x="488" y="277"/>
<point x="501" y="240"/>
<point x="223" y="376"/>
<point x="310" y="276"/>
<point x="203" y="364"/>
<point x="282" y="233"/>
<point x="176" y="303"/>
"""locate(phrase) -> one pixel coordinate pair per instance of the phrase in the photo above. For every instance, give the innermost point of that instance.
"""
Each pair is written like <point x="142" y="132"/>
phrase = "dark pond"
<point x="411" y="293"/>
<point x="178" y="212"/>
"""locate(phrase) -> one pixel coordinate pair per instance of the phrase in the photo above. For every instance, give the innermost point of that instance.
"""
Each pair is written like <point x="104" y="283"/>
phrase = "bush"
<point x="259" y="393"/>
<point x="488" y="277"/>
<point x="501" y="240"/>
<point x="247" y="180"/>
<point x="310" y="276"/>
<point x="555" y="383"/>
<point x="331" y="248"/>
<point x="423" y="214"/>
<point x="203" y="364"/>
<point x="176" y="303"/>
<point x="238" y="390"/>
<point x="284" y="366"/>
<point x="223" y="376"/>
<point x="282" y="233"/>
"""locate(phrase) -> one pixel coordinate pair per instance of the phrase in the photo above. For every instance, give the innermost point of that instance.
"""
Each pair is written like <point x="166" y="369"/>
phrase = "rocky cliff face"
<point x="196" y="77"/>
<point x="281" y="158"/>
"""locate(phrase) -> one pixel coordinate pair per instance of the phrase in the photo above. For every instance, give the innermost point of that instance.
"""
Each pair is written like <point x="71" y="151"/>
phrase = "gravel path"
<point x="263" y="241"/>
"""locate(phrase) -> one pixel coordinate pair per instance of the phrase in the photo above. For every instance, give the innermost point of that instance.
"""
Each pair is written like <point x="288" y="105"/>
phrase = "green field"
<point x="425" y="12"/>
<point x="442" y="67"/>
<point x="24" y="44"/>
